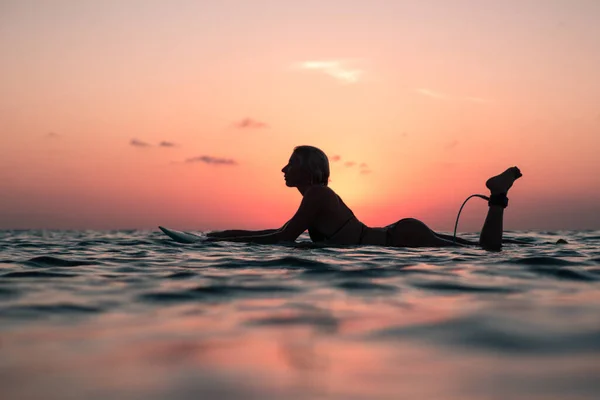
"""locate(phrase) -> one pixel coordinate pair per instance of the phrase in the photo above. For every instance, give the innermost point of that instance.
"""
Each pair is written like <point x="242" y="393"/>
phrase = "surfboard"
<point x="182" y="237"/>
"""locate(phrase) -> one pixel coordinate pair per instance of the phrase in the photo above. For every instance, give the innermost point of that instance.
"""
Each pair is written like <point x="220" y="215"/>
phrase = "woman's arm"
<point x="243" y="233"/>
<point x="310" y="206"/>
<point x="239" y="232"/>
<point x="271" y="237"/>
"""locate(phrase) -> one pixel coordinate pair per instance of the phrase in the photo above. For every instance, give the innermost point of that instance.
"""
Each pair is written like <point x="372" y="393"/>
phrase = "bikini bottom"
<point x="389" y="235"/>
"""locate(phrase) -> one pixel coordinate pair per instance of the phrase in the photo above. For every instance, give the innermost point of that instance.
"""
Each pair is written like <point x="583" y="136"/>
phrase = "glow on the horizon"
<point x="183" y="115"/>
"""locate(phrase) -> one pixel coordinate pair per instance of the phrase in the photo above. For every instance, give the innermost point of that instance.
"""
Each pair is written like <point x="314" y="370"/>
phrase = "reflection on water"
<point x="134" y="315"/>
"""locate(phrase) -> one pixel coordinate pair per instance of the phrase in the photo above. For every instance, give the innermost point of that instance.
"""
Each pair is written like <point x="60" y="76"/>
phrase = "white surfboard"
<point x="182" y="237"/>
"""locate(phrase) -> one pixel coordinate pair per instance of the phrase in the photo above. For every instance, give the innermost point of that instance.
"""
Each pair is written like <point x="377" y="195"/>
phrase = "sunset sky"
<point x="132" y="114"/>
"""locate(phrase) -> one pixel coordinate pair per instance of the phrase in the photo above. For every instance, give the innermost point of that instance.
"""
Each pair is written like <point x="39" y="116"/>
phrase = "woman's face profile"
<point x="294" y="173"/>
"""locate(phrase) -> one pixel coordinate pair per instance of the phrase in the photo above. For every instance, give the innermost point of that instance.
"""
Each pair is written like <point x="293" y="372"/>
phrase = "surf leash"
<point x="461" y="207"/>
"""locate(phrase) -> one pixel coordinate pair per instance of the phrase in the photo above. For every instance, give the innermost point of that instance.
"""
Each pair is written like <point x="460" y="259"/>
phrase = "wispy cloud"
<point x="452" y="144"/>
<point x="167" y="144"/>
<point x="52" y="135"/>
<point x="335" y="68"/>
<point x="432" y="93"/>
<point x="249" y="123"/>
<point x="364" y="168"/>
<point x="445" y="96"/>
<point x="139" y="143"/>
<point x="211" y="160"/>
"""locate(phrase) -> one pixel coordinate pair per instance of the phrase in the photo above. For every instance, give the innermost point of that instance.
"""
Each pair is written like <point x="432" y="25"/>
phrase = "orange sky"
<point x="433" y="96"/>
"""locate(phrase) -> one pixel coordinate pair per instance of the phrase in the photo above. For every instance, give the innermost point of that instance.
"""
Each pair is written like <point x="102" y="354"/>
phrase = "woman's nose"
<point x="284" y="169"/>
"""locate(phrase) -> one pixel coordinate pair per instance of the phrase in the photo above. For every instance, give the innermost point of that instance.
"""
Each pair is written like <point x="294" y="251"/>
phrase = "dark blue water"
<point x="134" y="315"/>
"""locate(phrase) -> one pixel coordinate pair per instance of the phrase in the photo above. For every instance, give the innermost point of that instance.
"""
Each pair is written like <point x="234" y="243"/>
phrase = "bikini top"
<point x="318" y="236"/>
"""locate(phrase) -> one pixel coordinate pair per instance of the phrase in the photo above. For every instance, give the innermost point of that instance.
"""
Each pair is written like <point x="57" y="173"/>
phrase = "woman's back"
<point x="335" y="223"/>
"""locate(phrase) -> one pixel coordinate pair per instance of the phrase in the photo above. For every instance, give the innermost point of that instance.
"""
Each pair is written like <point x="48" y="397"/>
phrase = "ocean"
<point x="134" y="315"/>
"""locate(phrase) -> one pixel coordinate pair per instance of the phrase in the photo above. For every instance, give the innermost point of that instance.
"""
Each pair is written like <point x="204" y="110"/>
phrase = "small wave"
<point x="166" y="297"/>
<point x="539" y="261"/>
<point x="37" y="274"/>
<point x="464" y="288"/>
<point x="366" y="273"/>
<point x="325" y="322"/>
<point x="377" y="272"/>
<point x="90" y="243"/>
<point x="566" y="273"/>
<point x="8" y="293"/>
<point x="320" y="273"/>
<point x="485" y="333"/>
<point x="236" y="289"/>
<point x="591" y="238"/>
<point x="288" y="262"/>
<point x="49" y="261"/>
<point x="595" y="271"/>
<point x="216" y="292"/>
<point x="135" y="243"/>
<point x="36" y="310"/>
<point x="26" y="245"/>
<point x="423" y="271"/>
<point x="358" y="286"/>
<point x="129" y="269"/>
<point x="181" y="275"/>
<point x="568" y="253"/>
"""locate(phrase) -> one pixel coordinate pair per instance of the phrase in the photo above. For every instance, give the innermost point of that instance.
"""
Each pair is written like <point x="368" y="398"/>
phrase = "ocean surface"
<point x="134" y="315"/>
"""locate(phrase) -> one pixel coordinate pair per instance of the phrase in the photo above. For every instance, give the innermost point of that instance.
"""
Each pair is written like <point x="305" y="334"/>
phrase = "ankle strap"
<point x="498" y="200"/>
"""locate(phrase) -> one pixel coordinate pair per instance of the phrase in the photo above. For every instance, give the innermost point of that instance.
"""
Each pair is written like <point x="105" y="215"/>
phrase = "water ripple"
<point x="37" y="310"/>
<point x="37" y="274"/>
<point x="49" y="261"/>
<point x="542" y="261"/>
<point x="566" y="273"/>
<point x="219" y="292"/>
<point x="495" y="334"/>
<point x="463" y="287"/>
<point x="361" y="286"/>
<point x="323" y="322"/>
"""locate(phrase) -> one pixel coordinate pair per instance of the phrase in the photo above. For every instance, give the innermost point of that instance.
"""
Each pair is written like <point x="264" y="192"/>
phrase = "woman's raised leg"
<point x="491" y="233"/>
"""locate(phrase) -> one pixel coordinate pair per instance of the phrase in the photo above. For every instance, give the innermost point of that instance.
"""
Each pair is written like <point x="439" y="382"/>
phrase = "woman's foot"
<point x="500" y="184"/>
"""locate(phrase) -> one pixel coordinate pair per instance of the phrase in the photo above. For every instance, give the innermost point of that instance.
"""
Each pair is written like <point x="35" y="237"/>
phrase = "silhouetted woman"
<point x="329" y="220"/>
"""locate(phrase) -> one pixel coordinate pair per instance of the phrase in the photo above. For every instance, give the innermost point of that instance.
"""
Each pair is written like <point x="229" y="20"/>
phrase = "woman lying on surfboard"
<point x="330" y="221"/>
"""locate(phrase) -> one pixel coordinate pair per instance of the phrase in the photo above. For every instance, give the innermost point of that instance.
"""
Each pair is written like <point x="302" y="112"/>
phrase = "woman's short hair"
<point x="317" y="163"/>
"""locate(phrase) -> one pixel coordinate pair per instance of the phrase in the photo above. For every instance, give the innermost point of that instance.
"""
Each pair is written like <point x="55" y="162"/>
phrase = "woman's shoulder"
<point x="320" y="190"/>
<point x="323" y="195"/>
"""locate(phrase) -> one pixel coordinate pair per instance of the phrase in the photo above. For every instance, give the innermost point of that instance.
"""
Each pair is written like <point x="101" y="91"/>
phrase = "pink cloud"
<point x="249" y="123"/>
